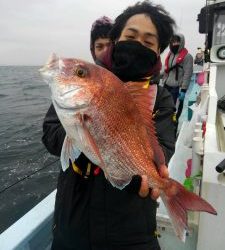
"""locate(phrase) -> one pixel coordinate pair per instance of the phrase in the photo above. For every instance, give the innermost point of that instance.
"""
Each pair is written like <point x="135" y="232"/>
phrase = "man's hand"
<point x="155" y="192"/>
<point x="182" y="94"/>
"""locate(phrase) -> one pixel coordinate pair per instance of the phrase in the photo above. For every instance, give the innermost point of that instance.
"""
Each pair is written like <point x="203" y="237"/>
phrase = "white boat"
<point x="33" y="230"/>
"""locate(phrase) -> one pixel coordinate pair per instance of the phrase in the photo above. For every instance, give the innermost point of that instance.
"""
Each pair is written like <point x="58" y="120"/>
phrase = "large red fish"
<point x="111" y="123"/>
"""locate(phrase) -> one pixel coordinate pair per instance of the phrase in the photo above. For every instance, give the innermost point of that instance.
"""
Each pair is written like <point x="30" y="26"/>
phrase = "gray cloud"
<point x="31" y="30"/>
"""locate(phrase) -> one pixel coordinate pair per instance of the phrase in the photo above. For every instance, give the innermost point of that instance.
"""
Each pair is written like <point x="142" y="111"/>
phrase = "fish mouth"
<point x="64" y="107"/>
<point x="70" y="93"/>
<point x="67" y="108"/>
<point x="60" y="101"/>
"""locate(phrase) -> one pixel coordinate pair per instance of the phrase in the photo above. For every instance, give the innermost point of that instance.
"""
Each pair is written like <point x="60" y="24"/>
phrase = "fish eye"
<point x="80" y="72"/>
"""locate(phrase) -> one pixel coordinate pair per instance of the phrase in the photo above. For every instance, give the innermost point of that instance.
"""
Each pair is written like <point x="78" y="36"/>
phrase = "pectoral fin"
<point x="88" y="141"/>
<point x="69" y="152"/>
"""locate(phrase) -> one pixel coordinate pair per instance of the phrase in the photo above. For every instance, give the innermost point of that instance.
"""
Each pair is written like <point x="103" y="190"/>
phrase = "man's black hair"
<point x="159" y="16"/>
<point x="100" y="31"/>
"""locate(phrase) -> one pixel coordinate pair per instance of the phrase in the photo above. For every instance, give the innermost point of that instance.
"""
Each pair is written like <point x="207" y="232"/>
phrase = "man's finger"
<point x="155" y="193"/>
<point x="144" y="189"/>
<point x="163" y="171"/>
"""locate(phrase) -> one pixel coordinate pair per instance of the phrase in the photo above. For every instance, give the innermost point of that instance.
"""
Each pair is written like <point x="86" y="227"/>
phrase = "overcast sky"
<point x="31" y="29"/>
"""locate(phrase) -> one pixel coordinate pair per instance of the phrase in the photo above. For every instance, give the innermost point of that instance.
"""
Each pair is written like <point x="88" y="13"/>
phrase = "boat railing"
<point x="33" y="230"/>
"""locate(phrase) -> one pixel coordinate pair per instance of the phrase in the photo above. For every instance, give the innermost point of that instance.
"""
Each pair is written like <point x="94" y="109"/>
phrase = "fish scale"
<point x="123" y="137"/>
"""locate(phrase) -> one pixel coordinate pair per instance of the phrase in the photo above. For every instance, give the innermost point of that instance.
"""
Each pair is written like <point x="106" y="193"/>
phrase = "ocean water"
<point x="28" y="173"/>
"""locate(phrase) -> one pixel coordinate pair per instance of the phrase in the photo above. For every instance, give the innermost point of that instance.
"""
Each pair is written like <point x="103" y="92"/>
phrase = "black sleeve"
<point x="53" y="132"/>
<point x="164" y="123"/>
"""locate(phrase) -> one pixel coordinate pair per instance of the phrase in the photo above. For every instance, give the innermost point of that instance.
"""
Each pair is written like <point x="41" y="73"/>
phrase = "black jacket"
<point x="90" y="214"/>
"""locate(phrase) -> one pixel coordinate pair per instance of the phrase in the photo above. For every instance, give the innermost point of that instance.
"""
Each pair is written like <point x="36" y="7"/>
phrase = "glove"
<point x="182" y="94"/>
<point x="134" y="185"/>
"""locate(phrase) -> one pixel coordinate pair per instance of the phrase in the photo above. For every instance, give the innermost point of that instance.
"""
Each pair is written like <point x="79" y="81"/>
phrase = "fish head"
<point x="73" y="82"/>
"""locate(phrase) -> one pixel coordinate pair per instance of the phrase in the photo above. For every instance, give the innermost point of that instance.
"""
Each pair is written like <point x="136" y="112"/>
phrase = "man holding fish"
<point x="118" y="129"/>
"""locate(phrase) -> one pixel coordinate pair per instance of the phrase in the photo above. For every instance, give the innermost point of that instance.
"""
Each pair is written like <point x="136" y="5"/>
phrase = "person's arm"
<point x="53" y="132"/>
<point x="188" y="71"/>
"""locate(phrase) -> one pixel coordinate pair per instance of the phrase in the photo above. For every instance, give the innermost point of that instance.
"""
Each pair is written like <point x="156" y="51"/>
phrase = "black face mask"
<point x="132" y="61"/>
<point x="174" y="48"/>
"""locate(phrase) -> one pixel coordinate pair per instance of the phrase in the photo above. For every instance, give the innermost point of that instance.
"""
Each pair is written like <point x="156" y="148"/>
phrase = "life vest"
<point x="182" y="53"/>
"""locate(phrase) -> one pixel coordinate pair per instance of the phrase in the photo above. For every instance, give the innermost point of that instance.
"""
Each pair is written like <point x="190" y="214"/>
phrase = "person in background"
<point x="89" y="212"/>
<point x="199" y="57"/>
<point x="178" y="70"/>
<point x="100" y="41"/>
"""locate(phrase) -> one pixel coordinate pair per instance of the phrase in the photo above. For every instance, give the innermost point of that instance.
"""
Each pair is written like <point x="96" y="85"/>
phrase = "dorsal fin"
<point x="145" y="100"/>
<point x="144" y="97"/>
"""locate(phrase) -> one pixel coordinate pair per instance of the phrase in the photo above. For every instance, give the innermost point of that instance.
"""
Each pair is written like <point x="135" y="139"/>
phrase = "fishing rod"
<point x="28" y="176"/>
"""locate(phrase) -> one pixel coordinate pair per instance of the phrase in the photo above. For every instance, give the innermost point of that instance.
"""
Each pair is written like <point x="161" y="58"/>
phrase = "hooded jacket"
<point x="178" y="74"/>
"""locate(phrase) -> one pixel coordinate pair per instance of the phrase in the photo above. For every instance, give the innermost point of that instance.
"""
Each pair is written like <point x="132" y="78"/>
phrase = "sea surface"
<point x="28" y="173"/>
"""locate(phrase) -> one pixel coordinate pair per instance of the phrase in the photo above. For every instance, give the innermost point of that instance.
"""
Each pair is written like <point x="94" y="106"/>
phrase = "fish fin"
<point x="87" y="139"/>
<point x="144" y="97"/>
<point x="117" y="177"/>
<point x="145" y="101"/>
<point x="69" y="152"/>
<point x="158" y="156"/>
<point x="119" y="183"/>
<point x="179" y="203"/>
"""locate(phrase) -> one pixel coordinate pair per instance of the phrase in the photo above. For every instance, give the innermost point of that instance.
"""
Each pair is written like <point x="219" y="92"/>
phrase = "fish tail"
<point x="178" y="201"/>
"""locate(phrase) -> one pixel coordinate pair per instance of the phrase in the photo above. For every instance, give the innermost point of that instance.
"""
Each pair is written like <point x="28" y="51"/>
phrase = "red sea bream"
<point x="111" y="123"/>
